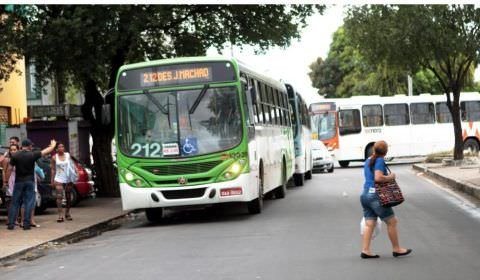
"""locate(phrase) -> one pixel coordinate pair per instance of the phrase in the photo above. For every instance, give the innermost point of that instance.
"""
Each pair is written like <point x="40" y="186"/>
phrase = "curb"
<point x="37" y="251"/>
<point x="465" y="187"/>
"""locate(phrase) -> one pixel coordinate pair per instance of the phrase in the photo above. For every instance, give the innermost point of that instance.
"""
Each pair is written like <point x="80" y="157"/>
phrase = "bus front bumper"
<point x="242" y="189"/>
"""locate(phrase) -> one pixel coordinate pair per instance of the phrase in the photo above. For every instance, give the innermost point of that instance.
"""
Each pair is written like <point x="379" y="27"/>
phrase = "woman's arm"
<point x="381" y="178"/>
<point x="52" y="171"/>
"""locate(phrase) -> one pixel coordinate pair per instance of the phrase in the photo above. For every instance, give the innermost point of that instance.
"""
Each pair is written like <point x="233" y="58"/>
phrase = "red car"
<point x="84" y="187"/>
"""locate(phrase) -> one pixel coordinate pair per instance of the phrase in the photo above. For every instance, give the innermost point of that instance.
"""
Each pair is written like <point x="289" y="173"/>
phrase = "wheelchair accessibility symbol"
<point x="189" y="146"/>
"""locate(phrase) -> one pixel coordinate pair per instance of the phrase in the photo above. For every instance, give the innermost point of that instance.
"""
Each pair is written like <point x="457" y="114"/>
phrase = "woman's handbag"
<point x="389" y="193"/>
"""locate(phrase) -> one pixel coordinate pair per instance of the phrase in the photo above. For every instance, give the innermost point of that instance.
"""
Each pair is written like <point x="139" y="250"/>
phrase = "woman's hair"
<point x="58" y="144"/>
<point x="379" y="150"/>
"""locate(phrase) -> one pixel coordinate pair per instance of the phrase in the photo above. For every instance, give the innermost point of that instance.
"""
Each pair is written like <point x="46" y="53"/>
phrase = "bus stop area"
<point x="90" y="218"/>
<point x="462" y="178"/>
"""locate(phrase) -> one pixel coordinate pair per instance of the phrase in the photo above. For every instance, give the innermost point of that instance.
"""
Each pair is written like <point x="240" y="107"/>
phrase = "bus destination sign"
<point x="176" y="75"/>
<point x="322" y="107"/>
<point x="202" y="74"/>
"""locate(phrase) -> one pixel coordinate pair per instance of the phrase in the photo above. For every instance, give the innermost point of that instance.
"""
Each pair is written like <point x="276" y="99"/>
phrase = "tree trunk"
<point x="457" y="127"/>
<point x="102" y="136"/>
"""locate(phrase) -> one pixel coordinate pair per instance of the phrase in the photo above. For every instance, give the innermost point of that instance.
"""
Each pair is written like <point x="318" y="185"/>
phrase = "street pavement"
<point x="88" y="215"/>
<point x="311" y="234"/>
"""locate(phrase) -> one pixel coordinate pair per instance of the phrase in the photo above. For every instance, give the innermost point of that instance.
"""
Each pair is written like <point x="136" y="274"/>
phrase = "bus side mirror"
<point x="106" y="116"/>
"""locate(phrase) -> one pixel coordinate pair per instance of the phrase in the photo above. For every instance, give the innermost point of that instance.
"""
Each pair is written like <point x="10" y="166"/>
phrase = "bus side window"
<point x="372" y="115"/>
<point x="422" y="113"/>
<point x="349" y="121"/>
<point x="443" y="114"/>
<point x="396" y="114"/>
<point x="470" y="111"/>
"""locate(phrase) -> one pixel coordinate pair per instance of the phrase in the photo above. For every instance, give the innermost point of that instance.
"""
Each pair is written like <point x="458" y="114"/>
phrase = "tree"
<point x="345" y="72"/>
<point x="90" y="43"/>
<point x="444" y="39"/>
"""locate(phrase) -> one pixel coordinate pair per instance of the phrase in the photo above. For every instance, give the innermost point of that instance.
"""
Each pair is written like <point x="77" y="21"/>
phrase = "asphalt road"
<point x="311" y="234"/>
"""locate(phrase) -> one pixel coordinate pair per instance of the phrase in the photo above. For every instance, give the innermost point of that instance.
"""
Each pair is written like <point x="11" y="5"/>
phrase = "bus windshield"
<point x="179" y="123"/>
<point x="325" y="125"/>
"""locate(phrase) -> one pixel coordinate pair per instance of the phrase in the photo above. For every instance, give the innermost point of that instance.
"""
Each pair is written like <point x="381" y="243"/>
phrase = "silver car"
<point x="322" y="157"/>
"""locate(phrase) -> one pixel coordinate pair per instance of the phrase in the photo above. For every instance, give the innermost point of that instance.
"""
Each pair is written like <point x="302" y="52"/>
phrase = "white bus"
<point x="199" y="131"/>
<point x="301" y="136"/>
<point x="411" y="125"/>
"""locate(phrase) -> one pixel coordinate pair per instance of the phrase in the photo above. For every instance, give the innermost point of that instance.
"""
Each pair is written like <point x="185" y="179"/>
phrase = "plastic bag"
<point x="376" y="231"/>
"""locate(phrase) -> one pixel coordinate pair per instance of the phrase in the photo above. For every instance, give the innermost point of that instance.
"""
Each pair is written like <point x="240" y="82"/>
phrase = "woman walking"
<point x="375" y="170"/>
<point x="62" y="167"/>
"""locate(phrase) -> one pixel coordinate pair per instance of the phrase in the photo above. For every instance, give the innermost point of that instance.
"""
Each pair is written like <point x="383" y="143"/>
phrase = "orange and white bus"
<point x="411" y="125"/>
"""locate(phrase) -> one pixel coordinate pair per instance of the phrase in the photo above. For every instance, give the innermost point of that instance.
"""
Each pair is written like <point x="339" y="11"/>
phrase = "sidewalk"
<point x="465" y="179"/>
<point x="88" y="215"/>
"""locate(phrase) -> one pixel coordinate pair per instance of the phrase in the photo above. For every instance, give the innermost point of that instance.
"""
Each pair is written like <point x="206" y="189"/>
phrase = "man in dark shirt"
<point x="24" y="189"/>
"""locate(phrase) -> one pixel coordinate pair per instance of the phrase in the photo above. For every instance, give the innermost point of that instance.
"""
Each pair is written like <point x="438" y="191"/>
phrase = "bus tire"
<point x="344" y="163"/>
<point x="308" y="175"/>
<point x="298" y="179"/>
<point x="472" y="145"/>
<point x="154" y="215"/>
<point x="281" y="190"/>
<point x="255" y="206"/>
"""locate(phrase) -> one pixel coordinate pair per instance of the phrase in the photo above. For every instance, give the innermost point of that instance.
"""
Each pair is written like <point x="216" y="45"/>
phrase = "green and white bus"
<point x="199" y="131"/>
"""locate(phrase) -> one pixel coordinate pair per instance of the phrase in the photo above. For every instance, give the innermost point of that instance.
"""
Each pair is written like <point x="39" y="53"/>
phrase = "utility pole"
<point x="410" y="85"/>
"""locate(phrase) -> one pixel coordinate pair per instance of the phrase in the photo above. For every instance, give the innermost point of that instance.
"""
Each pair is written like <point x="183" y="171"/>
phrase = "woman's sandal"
<point x="60" y="220"/>
<point x="365" y="256"/>
<point x="68" y="217"/>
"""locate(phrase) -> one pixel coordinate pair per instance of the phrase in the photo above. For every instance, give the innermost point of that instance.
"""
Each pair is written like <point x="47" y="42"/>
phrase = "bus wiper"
<point x="199" y="98"/>
<point x="155" y="102"/>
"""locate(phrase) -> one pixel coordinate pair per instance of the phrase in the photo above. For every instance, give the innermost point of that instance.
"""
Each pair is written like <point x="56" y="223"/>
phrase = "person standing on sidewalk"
<point x="62" y="167"/>
<point x="24" y="163"/>
<point x="375" y="170"/>
<point x="9" y="176"/>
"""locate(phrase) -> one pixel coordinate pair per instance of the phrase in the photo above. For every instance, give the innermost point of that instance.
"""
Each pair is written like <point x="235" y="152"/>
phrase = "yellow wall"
<point x="14" y="94"/>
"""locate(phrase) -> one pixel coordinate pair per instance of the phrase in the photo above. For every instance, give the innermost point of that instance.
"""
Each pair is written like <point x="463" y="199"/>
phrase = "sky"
<point x="291" y="64"/>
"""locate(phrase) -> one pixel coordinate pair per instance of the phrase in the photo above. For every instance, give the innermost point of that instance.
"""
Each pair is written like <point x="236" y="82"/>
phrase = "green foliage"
<point x="345" y="72"/>
<point x="85" y="45"/>
<point x="444" y="39"/>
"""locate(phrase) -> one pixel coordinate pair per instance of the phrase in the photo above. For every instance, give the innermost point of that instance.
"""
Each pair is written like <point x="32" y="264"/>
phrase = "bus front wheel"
<point x="255" y="206"/>
<point x="344" y="163"/>
<point x="154" y="215"/>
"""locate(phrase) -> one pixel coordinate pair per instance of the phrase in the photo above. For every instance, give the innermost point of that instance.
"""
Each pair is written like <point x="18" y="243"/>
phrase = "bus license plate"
<point x="231" y="191"/>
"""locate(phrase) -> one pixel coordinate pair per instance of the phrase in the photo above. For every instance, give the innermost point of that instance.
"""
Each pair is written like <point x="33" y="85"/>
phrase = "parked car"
<point x="46" y="193"/>
<point x="322" y="157"/>
<point x="83" y="188"/>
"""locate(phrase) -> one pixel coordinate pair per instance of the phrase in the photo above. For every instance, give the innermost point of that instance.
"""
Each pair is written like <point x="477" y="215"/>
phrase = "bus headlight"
<point x="133" y="179"/>
<point x="234" y="170"/>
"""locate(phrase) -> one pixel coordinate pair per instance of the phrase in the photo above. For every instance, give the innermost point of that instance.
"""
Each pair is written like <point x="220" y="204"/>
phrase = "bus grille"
<point x="179" y="194"/>
<point x="181" y="169"/>
<point x="190" y="181"/>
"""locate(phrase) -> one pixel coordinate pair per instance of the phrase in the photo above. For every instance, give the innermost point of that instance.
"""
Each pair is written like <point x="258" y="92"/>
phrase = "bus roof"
<point x="173" y="61"/>
<point x="375" y="99"/>
<point x="241" y="66"/>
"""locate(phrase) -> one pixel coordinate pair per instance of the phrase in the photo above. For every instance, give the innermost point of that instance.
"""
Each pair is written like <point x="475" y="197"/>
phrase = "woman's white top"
<point x="61" y="169"/>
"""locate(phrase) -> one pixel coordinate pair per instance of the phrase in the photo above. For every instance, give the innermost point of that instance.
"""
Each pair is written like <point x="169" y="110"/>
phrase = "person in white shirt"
<point x="62" y="169"/>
